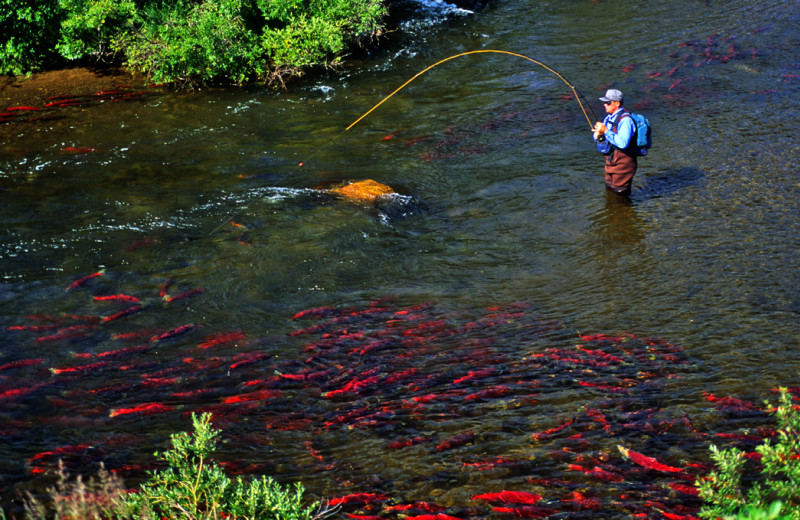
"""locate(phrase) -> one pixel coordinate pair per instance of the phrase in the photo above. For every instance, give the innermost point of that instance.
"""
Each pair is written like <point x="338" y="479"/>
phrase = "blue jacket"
<point x="625" y="129"/>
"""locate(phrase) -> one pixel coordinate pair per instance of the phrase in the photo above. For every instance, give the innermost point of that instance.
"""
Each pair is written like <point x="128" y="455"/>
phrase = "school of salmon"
<point x="406" y="411"/>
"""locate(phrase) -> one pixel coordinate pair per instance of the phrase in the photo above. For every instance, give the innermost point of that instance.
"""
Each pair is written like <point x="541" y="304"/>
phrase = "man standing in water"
<point x="615" y="138"/>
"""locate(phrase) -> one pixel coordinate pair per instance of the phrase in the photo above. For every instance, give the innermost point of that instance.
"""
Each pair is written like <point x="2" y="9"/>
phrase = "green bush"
<point x="194" y="43"/>
<point x="89" y="26"/>
<point x="305" y="32"/>
<point x="187" y="41"/>
<point x="723" y="489"/>
<point x="28" y="35"/>
<point x="756" y="513"/>
<point x="259" y="40"/>
<point x="193" y="487"/>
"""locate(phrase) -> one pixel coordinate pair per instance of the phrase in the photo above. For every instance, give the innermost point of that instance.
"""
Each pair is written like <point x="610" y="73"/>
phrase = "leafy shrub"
<point x="305" y="32"/>
<point x="193" y="487"/>
<point x="194" y="42"/>
<point x="244" y="40"/>
<point x="28" y="34"/>
<point x="187" y="41"/>
<point x="756" y="513"/>
<point x="723" y="490"/>
<point x="90" y="25"/>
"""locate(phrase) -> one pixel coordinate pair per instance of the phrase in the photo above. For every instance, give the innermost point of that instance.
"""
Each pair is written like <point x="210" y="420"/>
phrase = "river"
<point x="502" y="293"/>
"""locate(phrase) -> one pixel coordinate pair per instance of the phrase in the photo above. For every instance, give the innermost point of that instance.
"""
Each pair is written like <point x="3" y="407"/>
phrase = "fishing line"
<point x="423" y="71"/>
<point x="420" y="73"/>
<point x="480" y="51"/>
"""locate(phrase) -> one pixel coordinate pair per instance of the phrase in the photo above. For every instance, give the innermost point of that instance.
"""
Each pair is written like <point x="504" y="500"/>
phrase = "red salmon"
<point x="648" y="462"/>
<point x="81" y="281"/>
<point x="515" y="497"/>
<point x="142" y="409"/>
<point x="361" y="498"/>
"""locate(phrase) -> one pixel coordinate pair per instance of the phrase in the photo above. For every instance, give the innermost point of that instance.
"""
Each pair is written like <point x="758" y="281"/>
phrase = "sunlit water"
<point x="502" y="213"/>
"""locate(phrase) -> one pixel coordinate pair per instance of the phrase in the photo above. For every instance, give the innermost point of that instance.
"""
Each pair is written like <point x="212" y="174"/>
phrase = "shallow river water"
<point x="498" y="325"/>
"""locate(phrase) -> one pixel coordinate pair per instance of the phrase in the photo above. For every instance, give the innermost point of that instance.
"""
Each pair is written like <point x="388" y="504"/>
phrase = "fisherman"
<point x="615" y="138"/>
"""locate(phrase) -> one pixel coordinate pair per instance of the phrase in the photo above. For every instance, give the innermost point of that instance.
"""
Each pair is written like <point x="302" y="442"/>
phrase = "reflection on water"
<point x="194" y="205"/>
<point x="619" y="223"/>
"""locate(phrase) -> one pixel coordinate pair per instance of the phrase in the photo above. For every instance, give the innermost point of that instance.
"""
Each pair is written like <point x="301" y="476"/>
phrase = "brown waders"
<point x="620" y="169"/>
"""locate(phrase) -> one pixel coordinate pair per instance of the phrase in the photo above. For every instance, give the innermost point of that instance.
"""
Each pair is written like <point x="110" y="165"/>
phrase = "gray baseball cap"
<point x="612" y="94"/>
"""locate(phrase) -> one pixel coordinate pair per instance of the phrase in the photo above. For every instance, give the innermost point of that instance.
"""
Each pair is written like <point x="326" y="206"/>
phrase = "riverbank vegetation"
<point x="187" y="42"/>
<point x="191" y="487"/>
<point x="767" y="488"/>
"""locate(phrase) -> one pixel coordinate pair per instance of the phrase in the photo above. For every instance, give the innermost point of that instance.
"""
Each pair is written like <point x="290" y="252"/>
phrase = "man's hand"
<point x="599" y="129"/>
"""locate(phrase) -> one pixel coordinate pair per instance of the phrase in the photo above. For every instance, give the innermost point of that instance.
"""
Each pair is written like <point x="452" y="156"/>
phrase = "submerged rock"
<point x="365" y="192"/>
<point x="389" y="204"/>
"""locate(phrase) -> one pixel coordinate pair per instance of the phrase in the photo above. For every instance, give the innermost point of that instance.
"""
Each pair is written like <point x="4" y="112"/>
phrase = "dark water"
<point x="502" y="255"/>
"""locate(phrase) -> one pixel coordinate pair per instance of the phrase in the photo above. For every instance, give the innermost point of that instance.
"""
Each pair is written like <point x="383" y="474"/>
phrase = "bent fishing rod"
<point x="426" y="69"/>
<point x="481" y="51"/>
<point x="459" y="55"/>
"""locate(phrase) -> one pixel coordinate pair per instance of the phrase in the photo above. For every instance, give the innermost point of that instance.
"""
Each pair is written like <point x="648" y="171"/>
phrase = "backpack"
<point x="644" y="138"/>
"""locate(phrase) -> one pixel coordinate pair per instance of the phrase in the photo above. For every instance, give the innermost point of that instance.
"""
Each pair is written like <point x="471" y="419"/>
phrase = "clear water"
<point x="502" y="202"/>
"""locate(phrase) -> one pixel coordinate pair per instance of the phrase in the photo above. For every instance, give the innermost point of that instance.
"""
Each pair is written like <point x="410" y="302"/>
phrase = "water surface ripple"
<point x="503" y="324"/>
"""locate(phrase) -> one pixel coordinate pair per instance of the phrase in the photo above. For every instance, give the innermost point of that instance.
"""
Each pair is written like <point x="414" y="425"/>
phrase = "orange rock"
<point x="363" y="191"/>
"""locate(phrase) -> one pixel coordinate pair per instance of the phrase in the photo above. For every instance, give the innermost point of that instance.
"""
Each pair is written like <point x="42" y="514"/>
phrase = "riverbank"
<point x="210" y="240"/>
<point x="35" y="89"/>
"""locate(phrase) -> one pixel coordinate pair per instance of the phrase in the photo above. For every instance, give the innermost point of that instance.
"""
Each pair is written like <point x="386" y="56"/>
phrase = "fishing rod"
<point x="426" y="69"/>
<point x="459" y="55"/>
<point x="480" y="51"/>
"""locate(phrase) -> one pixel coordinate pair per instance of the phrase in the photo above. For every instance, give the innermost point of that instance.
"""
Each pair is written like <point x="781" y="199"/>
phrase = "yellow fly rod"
<point x="420" y="73"/>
